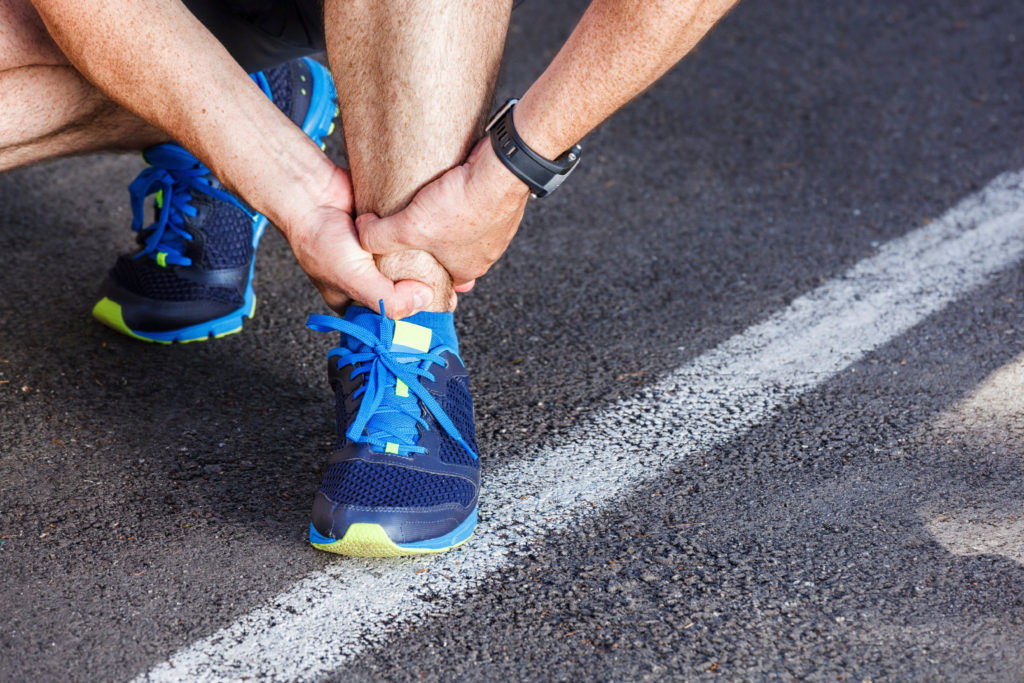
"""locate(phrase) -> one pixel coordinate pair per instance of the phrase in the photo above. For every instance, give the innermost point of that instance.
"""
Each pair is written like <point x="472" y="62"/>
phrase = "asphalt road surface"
<point x="750" y="398"/>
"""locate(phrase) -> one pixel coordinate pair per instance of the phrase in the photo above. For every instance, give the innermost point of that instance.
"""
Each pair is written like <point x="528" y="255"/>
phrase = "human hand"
<point x="326" y="245"/>
<point x="465" y="218"/>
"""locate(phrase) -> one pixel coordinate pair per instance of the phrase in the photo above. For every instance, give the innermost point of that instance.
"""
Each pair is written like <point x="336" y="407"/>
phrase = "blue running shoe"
<point x="405" y="476"/>
<point x="192" y="276"/>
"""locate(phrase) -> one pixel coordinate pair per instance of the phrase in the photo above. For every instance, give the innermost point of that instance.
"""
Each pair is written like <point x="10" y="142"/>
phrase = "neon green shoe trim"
<point x="330" y="131"/>
<point x="391" y="447"/>
<point x="411" y="335"/>
<point x="161" y="259"/>
<point x="401" y="389"/>
<point x="370" y="540"/>
<point x="206" y="337"/>
<point x="109" y="313"/>
<point x="159" y="200"/>
<point x="228" y="333"/>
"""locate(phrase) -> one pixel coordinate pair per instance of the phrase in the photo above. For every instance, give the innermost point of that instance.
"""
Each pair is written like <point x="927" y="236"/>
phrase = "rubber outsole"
<point x="109" y="312"/>
<point x="319" y="123"/>
<point x="363" y="539"/>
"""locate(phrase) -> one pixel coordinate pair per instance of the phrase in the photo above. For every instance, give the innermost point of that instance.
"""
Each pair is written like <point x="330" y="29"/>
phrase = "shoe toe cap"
<point x="142" y="313"/>
<point x="411" y="505"/>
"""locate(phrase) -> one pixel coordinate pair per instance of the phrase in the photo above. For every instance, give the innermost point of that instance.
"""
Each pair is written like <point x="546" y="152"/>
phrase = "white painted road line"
<point x="333" y="615"/>
<point x="988" y="518"/>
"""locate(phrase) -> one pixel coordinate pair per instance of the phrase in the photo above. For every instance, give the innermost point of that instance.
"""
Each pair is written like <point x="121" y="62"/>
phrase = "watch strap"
<point x="542" y="176"/>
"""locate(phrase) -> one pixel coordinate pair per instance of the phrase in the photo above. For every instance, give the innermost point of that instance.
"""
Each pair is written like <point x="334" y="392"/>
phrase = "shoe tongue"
<point x="363" y="317"/>
<point x="417" y="333"/>
<point x="410" y="337"/>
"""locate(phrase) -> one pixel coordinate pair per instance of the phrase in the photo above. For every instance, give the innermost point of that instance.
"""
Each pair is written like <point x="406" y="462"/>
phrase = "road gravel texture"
<point x="870" y="530"/>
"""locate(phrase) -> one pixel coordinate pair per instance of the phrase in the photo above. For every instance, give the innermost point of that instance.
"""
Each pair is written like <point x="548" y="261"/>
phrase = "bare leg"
<point x="47" y="108"/>
<point x="415" y="79"/>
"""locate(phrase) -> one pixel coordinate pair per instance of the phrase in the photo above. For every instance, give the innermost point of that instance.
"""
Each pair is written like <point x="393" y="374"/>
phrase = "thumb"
<point x="367" y="286"/>
<point x="410" y="297"/>
<point x="382" y="235"/>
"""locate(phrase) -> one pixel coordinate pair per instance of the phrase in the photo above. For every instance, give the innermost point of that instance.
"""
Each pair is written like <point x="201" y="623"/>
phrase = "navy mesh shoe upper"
<point x="406" y="454"/>
<point x="191" y="275"/>
<point x="365" y="484"/>
<point x="218" y="236"/>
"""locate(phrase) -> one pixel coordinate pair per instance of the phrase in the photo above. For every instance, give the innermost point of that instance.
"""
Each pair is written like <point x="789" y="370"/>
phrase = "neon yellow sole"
<point x="370" y="540"/>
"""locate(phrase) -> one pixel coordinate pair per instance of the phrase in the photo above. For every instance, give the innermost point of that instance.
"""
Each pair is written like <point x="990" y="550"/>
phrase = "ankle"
<point x="422" y="267"/>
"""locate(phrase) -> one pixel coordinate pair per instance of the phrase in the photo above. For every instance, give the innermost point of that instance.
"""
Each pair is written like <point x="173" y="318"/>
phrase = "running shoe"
<point x="405" y="477"/>
<point x="192" y="276"/>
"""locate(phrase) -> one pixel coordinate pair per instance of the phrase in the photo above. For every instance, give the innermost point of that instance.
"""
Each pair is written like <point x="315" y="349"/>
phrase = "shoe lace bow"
<point x="174" y="174"/>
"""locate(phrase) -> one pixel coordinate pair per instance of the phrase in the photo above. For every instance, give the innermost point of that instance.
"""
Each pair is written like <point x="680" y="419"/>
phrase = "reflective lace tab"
<point x="174" y="174"/>
<point x="385" y="419"/>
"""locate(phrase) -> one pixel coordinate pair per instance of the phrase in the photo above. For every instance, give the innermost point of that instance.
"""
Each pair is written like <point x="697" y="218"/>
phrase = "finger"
<point x="464" y="287"/>
<point x="406" y="291"/>
<point x="336" y="301"/>
<point x="383" y="235"/>
<point x="368" y="286"/>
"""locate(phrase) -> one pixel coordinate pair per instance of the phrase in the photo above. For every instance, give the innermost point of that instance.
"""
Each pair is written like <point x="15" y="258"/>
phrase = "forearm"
<point x="618" y="49"/>
<point x="467" y="217"/>
<point x="156" y="60"/>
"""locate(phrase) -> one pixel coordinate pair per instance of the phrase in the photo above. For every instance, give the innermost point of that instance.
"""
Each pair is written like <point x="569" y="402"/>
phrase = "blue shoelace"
<point x="383" y="417"/>
<point x="174" y="174"/>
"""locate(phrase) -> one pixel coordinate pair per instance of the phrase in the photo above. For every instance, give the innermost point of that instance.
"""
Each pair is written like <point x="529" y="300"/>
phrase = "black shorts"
<point x="264" y="33"/>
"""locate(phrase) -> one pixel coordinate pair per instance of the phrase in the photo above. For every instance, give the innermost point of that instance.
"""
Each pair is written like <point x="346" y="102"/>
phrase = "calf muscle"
<point x="415" y="80"/>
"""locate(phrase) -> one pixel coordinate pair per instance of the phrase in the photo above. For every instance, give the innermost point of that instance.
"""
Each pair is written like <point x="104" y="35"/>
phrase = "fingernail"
<point x="421" y="299"/>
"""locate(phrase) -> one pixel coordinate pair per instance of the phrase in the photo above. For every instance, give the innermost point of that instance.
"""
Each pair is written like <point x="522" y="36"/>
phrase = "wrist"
<point x="496" y="176"/>
<point x="260" y="155"/>
<point x="538" y="129"/>
<point x="299" y="180"/>
<point x="541" y="174"/>
<point x="282" y="176"/>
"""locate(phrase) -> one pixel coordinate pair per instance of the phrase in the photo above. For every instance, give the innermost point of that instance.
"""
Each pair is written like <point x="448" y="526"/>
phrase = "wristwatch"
<point x="542" y="176"/>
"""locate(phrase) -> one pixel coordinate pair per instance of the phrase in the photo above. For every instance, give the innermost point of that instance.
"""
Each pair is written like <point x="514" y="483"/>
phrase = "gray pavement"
<point x="152" y="495"/>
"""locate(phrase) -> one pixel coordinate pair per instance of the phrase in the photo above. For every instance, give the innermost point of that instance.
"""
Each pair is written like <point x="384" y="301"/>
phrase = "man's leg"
<point x="47" y="109"/>
<point x="415" y="79"/>
<point x="173" y="287"/>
